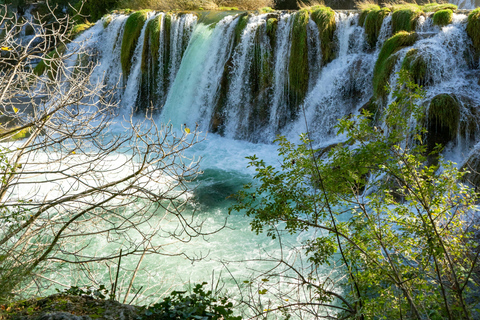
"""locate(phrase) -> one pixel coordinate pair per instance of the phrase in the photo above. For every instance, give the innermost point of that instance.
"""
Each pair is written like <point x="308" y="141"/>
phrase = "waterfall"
<point x="234" y="76"/>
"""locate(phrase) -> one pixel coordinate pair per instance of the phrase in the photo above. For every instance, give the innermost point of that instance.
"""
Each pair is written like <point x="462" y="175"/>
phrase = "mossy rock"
<point x="442" y="17"/>
<point x="416" y="66"/>
<point x="239" y="28"/>
<point x="473" y="30"/>
<point x="132" y="30"/>
<point x="405" y="17"/>
<point x="443" y="119"/>
<point x="434" y="7"/>
<point x="298" y="63"/>
<point x="365" y="11"/>
<point x="272" y="26"/>
<point x="386" y="60"/>
<point x="48" y="64"/>
<point x="79" y="28"/>
<point x="373" y="24"/>
<point x="324" y="17"/>
<point x="151" y="42"/>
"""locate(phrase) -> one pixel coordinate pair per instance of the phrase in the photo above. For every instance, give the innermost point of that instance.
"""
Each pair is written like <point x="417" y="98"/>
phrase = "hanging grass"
<point x="443" y="120"/>
<point x="151" y="43"/>
<point x="473" y="29"/>
<point x="443" y="17"/>
<point x="434" y="7"/>
<point x="272" y="25"/>
<point x="132" y="30"/>
<point x="416" y="66"/>
<point x="386" y="60"/>
<point x="324" y="17"/>
<point x="405" y="17"/>
<point x="365" y="10"/>
<point x="298" y="64"/>
<point x="373" y="24"/>
<point x="239" y="28"/>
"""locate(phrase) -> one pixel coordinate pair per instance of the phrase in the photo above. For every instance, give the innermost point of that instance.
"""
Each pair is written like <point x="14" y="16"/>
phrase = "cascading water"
<point x="234" y="77"/>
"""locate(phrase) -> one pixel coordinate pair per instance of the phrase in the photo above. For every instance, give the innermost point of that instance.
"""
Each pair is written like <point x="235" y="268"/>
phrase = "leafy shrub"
<point x="200" y="304"/>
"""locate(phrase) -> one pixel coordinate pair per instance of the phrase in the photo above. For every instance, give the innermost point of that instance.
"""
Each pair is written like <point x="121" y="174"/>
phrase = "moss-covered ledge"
<point x="63" y="306"/>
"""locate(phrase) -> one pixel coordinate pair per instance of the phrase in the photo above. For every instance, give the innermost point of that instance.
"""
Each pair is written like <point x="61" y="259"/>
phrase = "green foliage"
<point x="416" y="66"/>
<point x="473" y="29"/>
<point x="386" y="60"/>
<point x="266" y="10"/>
<point x="151" y="43"/>
<point x="442" y="17"/>
<point x="240" y="27"/>
<point x="132" y="30"/>
<point x="99" y="293"/>
<point x="404" y="17"/>
<point x="324" y="17"/>
<point x="97" y="8"/>
<point x="399" y="227"/>
<point x="200" y="304"/>
<point x="298" y="64"/>
<point x="272" y="25"/>
<point x="434" y="7"/>
<point x="373" y="24"/>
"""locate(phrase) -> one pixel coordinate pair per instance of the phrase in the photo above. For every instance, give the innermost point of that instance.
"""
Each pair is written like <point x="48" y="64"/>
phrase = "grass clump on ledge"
<point x="298" y="64"/>
<point x="416" y="66"/>
<point x="366" y="8"/>
<point x="473" y="29"/>
<point x="324" y="17"/>
<point x="386" y="60"/>
<point x="373" y="24"/>
<point x="79" y="28"/>
<point x="443" y="17"/>
<point x="444" y="111"/>
<point x="133" y="28"/>
<point x="434" y="7"/>
<point x="405" y="17"/>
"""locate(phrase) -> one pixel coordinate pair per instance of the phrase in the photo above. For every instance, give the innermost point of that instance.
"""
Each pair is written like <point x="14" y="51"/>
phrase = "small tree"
<point x="402" y="230"/>
<point x="72" y="181"/>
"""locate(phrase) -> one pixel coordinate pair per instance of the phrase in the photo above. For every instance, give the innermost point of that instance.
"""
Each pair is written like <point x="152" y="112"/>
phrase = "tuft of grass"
<point x="373" y="24"/>
<point x="405" y="17"/>
<point x="132" y="30"/>
<point x="444" y="113"/>
<point x="366" y="8"/>
<point x="106" y="19"/>
<point x="443" y="17"/>
<point x="416" y="66"/>
<point x="298" y="64"/>
<point x="324" y="17"/>
<point x="434" y="7"/>
<point x="239" y="28"/>
<point x="386" y="60"/>
<point x="266" y="10"/>
<point x="151" y="43"/>
<point x="473" y="30"/>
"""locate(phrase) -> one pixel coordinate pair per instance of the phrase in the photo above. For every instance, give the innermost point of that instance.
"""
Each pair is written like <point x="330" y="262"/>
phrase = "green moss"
<point x="373" y="24"/>
<point x="473" y="30"/>
<point x="239" y="28"/>
<point x="265" y="10"/>
<point x="416" y="66"/>
<point x="49" y="64"/>
<point x="324" y="17"/>
<point x="386" y="60"/>
<point x="272" y="25"/>
<point x="442" y="17"/>
<point x="151" y="42"/>
<point x="298" y="64"/>
<point x="405" y="17"/>
<point x="132" y="30"/>
<point x="443" y="120"/>
<point x="79" y="28"/>
<point x="365" y="11"/>
<point x="434" y="7"/>
<point x="106" y="19"/>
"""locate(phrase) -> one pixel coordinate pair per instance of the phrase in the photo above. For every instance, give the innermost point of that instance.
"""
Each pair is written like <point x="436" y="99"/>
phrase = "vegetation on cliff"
<point x="473" y="29"/>
<point x="442" y="17"/>
<point x="324" y="17"/>
<point x="132" y="30"/>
